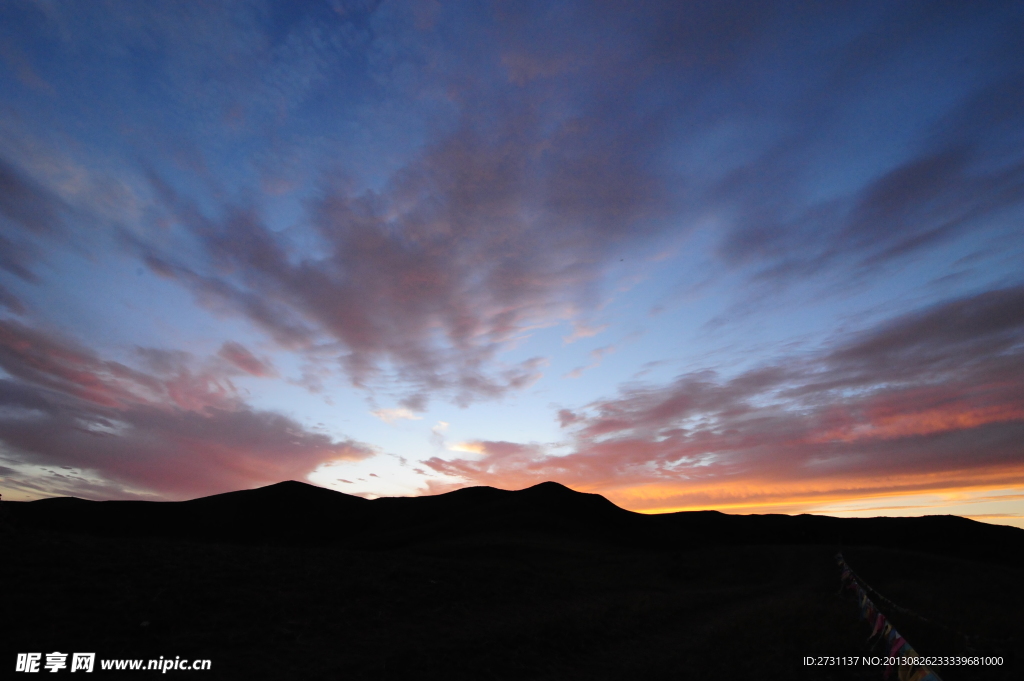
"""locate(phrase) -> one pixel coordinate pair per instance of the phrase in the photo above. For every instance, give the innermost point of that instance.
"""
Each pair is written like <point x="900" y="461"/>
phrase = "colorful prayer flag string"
<point x="882" y="631"/>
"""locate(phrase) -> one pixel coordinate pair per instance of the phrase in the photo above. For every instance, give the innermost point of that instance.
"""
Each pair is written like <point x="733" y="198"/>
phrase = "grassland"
<point x="513" y="606"/>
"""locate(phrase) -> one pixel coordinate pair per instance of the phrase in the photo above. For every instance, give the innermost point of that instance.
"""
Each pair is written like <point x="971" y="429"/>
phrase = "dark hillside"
<point x="547" y="508"/>
<point x="948" y="535"/>
<point x="295" y="581"/>
<point x="297" y="513"/>
<point x="490" y="607"/>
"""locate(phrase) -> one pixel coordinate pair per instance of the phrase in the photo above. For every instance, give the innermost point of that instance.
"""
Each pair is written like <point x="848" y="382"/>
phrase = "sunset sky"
<point x="746" y="256"/>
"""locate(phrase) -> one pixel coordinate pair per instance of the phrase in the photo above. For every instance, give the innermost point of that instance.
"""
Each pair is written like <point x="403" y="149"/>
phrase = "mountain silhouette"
<point x="296" y="581"/>
<point x="291" y="512"/>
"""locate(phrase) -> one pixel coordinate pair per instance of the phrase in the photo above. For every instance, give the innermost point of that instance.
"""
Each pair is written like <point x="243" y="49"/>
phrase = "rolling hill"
<point x="291" y="513"/>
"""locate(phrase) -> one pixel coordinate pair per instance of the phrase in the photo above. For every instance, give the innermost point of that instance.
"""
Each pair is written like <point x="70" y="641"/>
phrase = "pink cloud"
<point x="175" y="430"/>
<point x="503" y="224"/>
<point x="949" y="413"/>
<point x="239" y="355"/>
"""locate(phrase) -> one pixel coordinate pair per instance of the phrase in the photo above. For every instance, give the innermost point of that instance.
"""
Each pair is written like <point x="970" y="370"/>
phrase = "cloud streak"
<point x="930" y="400"/>
<point x="508" y="217"/>
<point x="174" y="430"/>
<point x="446" y="205"/>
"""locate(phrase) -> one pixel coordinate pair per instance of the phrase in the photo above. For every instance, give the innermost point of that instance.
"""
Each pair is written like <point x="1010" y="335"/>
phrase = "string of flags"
<point x="899" y="654"/>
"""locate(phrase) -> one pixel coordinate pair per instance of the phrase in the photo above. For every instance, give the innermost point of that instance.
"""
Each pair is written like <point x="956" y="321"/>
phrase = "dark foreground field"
<point x="510" y="605"/>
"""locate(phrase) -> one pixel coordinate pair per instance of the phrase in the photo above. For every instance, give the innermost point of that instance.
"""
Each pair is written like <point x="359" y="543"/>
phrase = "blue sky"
<point x="693" y="255"/>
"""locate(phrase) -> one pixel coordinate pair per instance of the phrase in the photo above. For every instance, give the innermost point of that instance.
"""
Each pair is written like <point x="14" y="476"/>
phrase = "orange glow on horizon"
<point x="817" y="495"/>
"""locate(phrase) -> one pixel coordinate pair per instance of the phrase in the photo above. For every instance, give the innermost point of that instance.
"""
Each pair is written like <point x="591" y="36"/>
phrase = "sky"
<point x="754" y="257"/>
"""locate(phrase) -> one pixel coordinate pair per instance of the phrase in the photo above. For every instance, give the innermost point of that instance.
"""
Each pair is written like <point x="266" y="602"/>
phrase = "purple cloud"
<point x="177" y="431"/>
<point x="931" y="400"/>
<point x="239" y="356"/>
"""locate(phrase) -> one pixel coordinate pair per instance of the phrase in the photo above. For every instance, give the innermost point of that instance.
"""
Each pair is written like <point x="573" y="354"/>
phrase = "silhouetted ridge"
<point x="286" y="512"/>
<point x="555" y="493"/>
<point x="548" y="508"/>
<point x="63" y="501"/>
<point x="289" y="492"/>
<point x="294" y="512"/>
<point x="549" y="487"/>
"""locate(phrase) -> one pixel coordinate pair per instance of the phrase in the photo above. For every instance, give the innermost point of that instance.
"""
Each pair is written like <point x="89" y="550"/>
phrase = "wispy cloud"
<point x="392" y="415"/>
<point x="354" y="195"/>
<point x="238" y="355"/>
<point x="596" y="355"/>
<point x="903" y="406"/>
<point x="581" y="330"/>
<point x="179" y="430"/>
